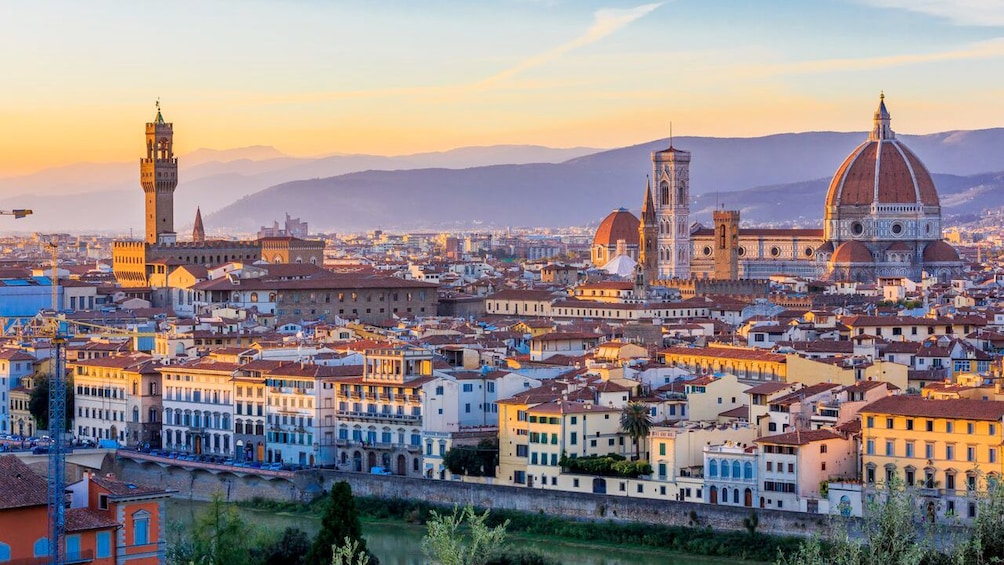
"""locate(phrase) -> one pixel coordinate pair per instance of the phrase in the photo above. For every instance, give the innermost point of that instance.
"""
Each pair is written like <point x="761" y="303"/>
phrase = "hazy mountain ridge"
<point x="584" y="189"/>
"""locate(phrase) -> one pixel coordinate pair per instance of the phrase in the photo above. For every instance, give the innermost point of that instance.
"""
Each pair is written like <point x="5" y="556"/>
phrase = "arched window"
<point x="748" y="471"/>
<point x="725" y="495"/>
<point x="4" y="552"/>
<point x="725" y="469"/>
<point x="713" y="468"/>
<point x="664" y="193"/>
<point x="41" y="547"/>
<point x="135" y="414"/>
<point x="736" y="473"/>
<point x="254" y="297"/>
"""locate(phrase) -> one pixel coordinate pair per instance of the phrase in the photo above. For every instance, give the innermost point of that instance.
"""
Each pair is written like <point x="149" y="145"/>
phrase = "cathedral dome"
<point x="940" y="252"/>
<point x="882" y="170"/>
<point x="852" y="252"/>
<point x="618" y="225"/>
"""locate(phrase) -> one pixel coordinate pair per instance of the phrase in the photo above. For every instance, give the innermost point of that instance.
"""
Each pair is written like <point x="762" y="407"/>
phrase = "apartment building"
<point x="948" y="450"/>
<point x="118" y="398"/>
<point x="792" y="466"/>
<point x="379" y="415"/>
<point x="15" y="365"/>
<point x="199" y="406"/>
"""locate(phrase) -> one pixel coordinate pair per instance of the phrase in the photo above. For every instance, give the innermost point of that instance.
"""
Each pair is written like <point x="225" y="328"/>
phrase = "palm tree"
<point x="636" y="422"/>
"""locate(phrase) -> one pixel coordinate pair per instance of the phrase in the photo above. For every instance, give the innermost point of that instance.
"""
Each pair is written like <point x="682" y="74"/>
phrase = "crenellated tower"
<point x="159" y="177"/>
<point x="726" y="244"/>
<point x="671" y="175"/>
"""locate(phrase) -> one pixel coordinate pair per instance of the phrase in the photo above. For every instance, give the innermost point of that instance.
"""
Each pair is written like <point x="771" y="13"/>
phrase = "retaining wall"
<point x="203" y="484"/>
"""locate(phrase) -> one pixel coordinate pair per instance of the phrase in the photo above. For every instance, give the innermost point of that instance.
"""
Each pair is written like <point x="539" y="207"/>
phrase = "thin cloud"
<point x="605" y="22"/>
<point x="990" y="49"/>
<point x="963" y="12"/>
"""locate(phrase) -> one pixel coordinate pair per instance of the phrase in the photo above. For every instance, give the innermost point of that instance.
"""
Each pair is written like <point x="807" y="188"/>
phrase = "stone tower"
<point x="726" y="244"/>
<point x="199" y="231"/>
<point x="671" y="174"/>
<point x="159" y="177"/>
<point x="648" y="241"/>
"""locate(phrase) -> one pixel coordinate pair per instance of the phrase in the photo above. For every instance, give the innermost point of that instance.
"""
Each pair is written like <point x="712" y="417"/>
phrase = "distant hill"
<point x="73" y="197"/>
<point x="584" y="189"/>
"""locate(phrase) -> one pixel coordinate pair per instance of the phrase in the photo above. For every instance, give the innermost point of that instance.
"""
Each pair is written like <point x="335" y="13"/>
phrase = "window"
<point x="991" y="429"/>
<point x="888" y="423"/>
<point x="948" y="427"/>
<point x="909" y="424"/>
<point x="930" y="425"/>
<point x="73" y="546"/>
<point x="909" y="449"/>
<point x="573" y="438"/>
<point x="870" y="447"/>
<point x="970" y="428"/>
<point x="929" y="451"/>
<point x="822" y="448"/>
<point x="992" y="455"/>
<point x="871" y="421"/>
<point x="713" y="468"/>
<point x="103" y="502"/>
<point x="468" y="387"/>
<point x="41" y="547"/>
<point x="890" y="447"/>
<point x="950" y="481"/>
<point x="970" y="453"/>
<point x="662" y="449"/>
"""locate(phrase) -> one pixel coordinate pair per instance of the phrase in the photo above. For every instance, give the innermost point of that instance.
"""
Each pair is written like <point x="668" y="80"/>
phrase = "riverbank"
<point x="398" y="542"/>
<point x="696" y="539"/>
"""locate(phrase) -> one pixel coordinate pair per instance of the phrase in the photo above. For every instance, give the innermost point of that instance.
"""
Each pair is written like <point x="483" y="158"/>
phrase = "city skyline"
<point x="351" y="78"/>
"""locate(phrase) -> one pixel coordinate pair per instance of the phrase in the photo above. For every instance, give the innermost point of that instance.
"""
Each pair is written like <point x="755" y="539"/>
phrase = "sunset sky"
<point x="391" y="77"/>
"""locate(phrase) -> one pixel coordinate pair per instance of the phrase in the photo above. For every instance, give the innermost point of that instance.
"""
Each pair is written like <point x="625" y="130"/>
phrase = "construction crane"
<point x="18" y="214"/>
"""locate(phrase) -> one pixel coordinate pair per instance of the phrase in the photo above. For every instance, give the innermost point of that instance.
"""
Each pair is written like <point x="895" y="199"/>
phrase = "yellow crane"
<point x="18" y="213"/>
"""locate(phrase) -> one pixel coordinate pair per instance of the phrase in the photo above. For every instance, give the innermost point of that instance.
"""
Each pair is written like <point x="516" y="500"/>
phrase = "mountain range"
<point x="773" y="179"/>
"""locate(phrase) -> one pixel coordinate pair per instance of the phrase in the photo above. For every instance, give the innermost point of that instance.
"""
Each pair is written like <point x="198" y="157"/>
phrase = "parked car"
<point x="379" y="471"/>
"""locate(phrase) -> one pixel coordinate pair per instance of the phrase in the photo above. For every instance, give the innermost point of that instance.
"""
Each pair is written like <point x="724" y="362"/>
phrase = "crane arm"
<point x="18" y="213"/>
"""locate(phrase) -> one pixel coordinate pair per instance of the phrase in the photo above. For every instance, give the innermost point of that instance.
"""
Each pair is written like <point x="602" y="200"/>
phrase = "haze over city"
<point x="314" y="78"/>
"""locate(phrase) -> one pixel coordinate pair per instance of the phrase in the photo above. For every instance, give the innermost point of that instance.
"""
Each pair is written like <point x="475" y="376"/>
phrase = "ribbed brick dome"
<point x="882" y="171"/>
<point x="940" y="252"/>
<point x="619" y="224"/>
<point x="852" y="252"/>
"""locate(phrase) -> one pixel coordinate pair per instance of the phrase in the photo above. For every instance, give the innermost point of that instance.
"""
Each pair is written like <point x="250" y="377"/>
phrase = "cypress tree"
<point x="340" y="521"/>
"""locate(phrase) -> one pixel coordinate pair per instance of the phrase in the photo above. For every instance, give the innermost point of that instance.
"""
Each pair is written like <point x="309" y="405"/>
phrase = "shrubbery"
<point x="612" y="465"/>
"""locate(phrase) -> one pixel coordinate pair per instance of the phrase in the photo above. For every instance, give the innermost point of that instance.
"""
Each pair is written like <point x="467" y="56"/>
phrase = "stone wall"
<point x="202" y="484"/>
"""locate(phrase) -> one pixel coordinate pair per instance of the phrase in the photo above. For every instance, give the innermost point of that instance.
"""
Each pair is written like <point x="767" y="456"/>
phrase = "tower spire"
<point x="648" y="207"/>
<point x="199" y="231"/>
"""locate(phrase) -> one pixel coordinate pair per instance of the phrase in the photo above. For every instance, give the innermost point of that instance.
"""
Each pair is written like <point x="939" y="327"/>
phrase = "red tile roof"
<point x="801" y="437"/>
<point x="957" y="408"/>
<point x="19" y="485"/>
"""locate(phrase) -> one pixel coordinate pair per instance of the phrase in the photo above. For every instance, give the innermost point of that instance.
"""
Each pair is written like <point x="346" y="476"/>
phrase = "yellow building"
<point x="947" y="450"/>
<point x="745" y="363"/>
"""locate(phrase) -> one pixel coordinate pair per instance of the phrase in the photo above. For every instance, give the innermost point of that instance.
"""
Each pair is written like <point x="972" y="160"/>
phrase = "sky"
<point x="313" y="77"/>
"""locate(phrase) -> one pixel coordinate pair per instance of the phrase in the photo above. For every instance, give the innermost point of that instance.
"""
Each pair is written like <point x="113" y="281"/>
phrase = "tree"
<point x="340" y="522"/>
<point x="290" y="548"/>
<point x="444" y="543"/>
<point x="477" y="461"/>
<point x="220" y="537"/>
<point x="636" y="422"/>
<point x="38" y="403"/>
<point x="985" y="545"/>
<point x="349" y="553"/>
<point x="891" y="533"/>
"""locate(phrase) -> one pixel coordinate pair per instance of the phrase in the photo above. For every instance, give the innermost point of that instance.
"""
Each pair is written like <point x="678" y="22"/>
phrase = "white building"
<point x="199" y="406"/>
<point x="14" y="365"/>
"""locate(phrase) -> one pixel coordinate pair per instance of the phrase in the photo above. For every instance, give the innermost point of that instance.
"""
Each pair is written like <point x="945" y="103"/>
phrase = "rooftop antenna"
<point x="670" y="134"/>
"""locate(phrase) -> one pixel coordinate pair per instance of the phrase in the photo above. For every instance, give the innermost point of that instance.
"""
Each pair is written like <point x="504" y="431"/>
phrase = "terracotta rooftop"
<point x="19" y="485"/>
<point x="956" y="408"/>
<point x="801" y="437"/>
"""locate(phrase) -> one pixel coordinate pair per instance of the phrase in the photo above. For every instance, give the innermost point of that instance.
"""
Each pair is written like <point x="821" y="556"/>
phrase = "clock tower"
<point x="158" y="173"/>
<point x="671" y="176"/>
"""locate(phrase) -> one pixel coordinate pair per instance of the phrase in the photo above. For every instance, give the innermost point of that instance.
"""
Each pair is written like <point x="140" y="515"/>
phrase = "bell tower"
<point x="671" y="175"/>
<point x="648" y="241"/>
<point x="158" y="173"/>
<point x="726" y="244"/>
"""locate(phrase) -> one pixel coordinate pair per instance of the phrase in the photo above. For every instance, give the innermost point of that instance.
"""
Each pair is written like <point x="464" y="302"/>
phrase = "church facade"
<point x="882" y="218"/>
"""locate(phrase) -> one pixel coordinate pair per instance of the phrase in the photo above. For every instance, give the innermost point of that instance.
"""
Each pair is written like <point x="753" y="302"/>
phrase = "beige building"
<point x="118" y="398"/>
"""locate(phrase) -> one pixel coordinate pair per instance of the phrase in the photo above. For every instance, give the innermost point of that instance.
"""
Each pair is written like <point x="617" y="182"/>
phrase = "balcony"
<point x="378" y="417"/>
